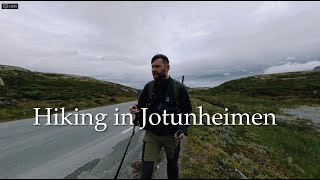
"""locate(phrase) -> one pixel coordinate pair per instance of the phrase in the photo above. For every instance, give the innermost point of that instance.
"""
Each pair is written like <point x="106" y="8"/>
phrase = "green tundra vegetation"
<point x="290" y="149"/>
<point x="24" y="90"/>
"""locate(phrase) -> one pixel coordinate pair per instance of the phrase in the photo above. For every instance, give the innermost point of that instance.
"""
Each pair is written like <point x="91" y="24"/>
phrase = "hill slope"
<point x="301" y="84"/>
<point x="24" y="90"/>
<point x="291" y="149"/>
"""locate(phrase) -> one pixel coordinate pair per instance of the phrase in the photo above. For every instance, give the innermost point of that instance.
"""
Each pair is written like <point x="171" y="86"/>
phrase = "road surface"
<point x="29" y="151"/>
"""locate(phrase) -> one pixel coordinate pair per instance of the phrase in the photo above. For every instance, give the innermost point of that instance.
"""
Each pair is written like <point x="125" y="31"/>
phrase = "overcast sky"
<point x="208" y="42"/>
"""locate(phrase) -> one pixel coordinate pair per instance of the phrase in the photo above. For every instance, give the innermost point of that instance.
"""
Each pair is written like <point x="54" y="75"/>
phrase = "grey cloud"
<point x="208" y="42"/>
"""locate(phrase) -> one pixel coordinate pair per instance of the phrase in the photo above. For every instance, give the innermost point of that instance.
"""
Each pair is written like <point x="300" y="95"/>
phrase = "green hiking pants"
<point x="152" y="145"/>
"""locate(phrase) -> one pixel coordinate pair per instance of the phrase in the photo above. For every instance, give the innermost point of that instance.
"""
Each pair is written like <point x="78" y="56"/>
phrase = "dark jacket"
<point x="162" y="98"/>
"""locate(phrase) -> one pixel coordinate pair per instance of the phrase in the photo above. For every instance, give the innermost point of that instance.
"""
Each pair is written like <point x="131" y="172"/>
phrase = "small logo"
<point x="9" y="6"/>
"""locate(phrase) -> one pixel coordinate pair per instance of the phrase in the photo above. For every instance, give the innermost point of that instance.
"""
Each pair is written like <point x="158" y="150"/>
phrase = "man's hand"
<point x="133" y="109"/>
<point x="179" y="134"/>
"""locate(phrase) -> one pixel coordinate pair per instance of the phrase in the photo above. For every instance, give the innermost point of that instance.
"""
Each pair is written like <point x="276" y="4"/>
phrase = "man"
<point x="164" y="93"/>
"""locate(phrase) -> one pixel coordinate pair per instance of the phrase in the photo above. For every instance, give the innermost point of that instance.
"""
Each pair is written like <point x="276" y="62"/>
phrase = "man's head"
<point x="160" y="66"/>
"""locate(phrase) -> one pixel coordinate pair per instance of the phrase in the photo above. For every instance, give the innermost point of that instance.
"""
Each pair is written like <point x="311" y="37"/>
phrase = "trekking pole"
<point x="115" y="177"/>
<point x="182" y="79"/>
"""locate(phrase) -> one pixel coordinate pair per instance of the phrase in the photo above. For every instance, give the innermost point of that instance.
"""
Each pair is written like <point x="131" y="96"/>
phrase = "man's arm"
<point x="143" y="99"/>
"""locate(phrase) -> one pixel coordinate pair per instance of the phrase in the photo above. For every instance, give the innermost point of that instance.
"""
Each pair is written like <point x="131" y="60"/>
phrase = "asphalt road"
<point x="29" y="151"/>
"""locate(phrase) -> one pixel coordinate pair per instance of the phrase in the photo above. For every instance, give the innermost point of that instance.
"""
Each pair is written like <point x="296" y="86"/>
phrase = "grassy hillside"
<point x="289" y="150"/>
<point x="24" y="90"/>
<point x="283" y="85"/>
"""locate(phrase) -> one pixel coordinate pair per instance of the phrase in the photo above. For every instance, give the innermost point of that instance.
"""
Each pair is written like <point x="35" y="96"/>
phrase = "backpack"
<point x="176" y="89"/>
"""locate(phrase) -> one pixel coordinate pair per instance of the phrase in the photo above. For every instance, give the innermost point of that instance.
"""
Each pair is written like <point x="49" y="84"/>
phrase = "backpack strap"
<point x="150" y="88"/>
<point x="176" y="91"/>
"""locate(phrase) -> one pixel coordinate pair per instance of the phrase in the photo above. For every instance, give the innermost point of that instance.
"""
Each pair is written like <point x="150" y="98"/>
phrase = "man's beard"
<point x="161" y="75"/>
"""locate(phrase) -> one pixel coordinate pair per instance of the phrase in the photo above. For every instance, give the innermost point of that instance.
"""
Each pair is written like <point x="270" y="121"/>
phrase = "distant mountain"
<point x="196" y="89"/>
<point x="317" y="68"/>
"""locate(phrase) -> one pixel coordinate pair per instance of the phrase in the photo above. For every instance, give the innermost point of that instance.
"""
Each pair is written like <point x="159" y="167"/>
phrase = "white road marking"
<point x="127" y="130"/>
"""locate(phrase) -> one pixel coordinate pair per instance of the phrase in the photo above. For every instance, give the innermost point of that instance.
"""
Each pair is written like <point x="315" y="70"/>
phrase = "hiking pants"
<point x="152" y="145"/>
